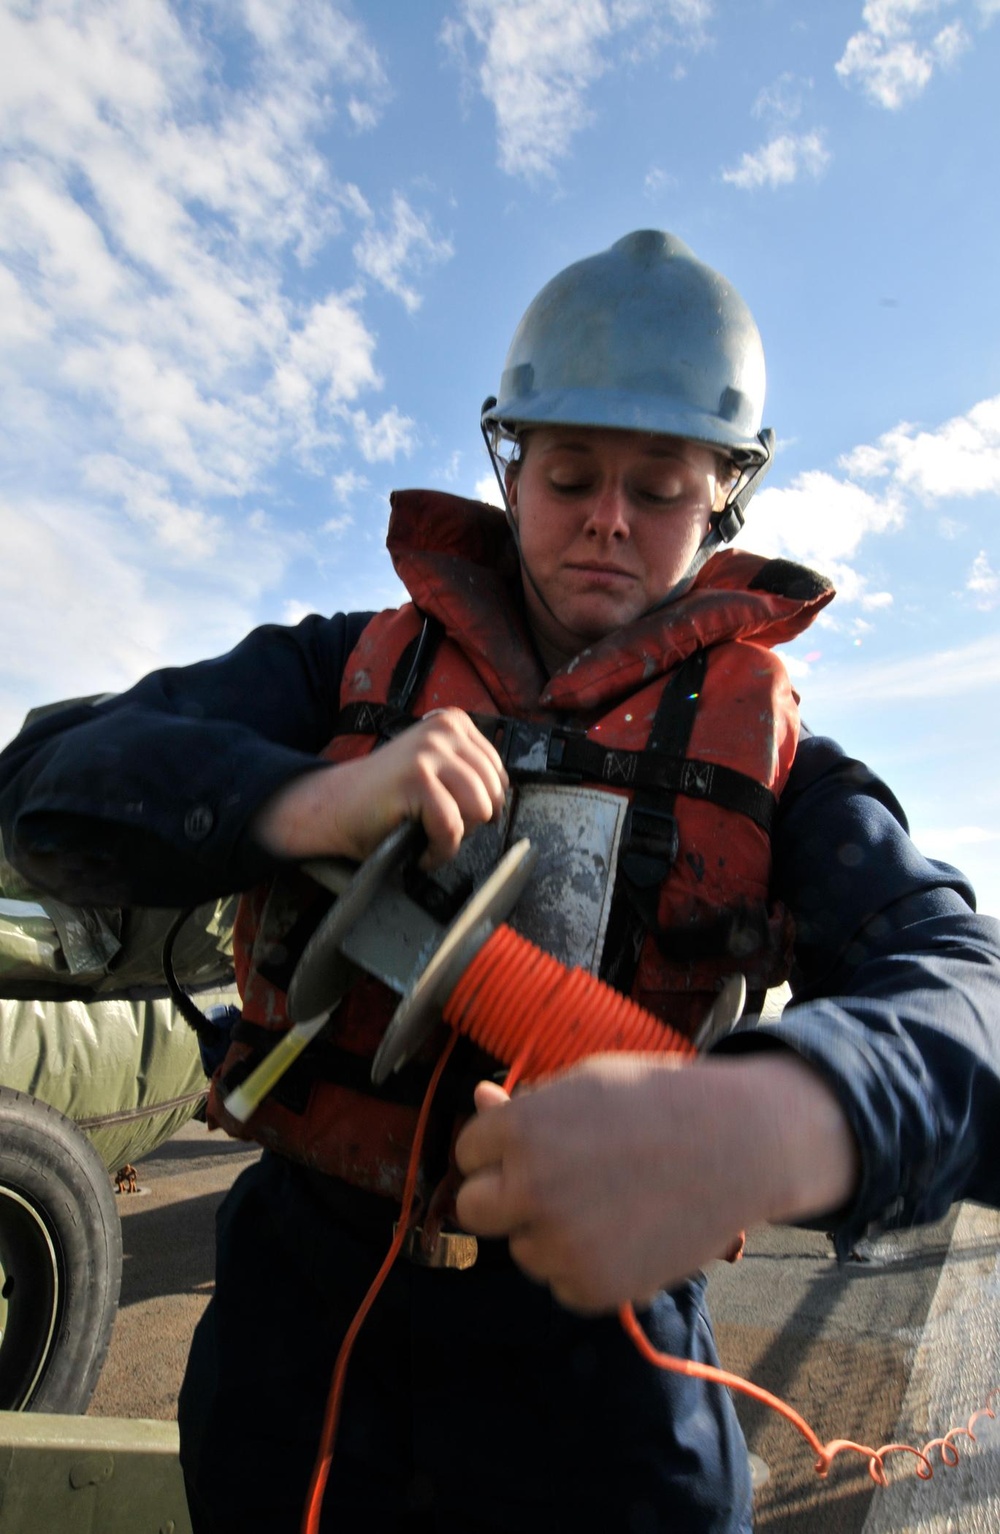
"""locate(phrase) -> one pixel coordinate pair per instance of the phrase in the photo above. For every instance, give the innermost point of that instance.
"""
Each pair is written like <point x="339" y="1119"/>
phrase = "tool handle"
<point x="249" y="1095"/>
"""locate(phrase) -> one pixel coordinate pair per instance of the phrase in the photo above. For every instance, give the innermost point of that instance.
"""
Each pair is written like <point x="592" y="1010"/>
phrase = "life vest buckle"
<point x="650" y="842"/>
<point x="529" y="748"/>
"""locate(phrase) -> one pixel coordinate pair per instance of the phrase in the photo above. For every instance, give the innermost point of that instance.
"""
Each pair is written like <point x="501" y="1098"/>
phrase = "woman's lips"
<point x="609" y="574"/>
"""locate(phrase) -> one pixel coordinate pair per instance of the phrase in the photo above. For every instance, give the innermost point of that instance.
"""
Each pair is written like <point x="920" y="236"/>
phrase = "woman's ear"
<point x="510" y="479"/>
<point x="726" y="477"/>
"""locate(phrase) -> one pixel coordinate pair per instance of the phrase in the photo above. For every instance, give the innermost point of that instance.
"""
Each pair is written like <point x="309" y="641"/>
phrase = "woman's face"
<point x="608" y="523"/>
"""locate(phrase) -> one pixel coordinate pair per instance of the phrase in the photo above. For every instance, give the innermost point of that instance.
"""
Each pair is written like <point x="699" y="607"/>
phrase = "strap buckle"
<point x="527" y="747"/>
<point x="449" y="1248"/>
<point x="650" y="844"/>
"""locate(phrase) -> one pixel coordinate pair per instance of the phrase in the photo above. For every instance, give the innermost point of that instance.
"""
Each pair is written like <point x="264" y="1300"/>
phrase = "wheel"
<point x="60" y="1259"/>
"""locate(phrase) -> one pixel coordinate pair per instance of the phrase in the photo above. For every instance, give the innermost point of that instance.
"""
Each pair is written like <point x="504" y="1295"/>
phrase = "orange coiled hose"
<point x="525" y="1008"/>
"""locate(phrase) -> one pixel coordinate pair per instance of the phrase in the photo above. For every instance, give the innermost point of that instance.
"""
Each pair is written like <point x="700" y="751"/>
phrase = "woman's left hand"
<point x="630" y="1172"/>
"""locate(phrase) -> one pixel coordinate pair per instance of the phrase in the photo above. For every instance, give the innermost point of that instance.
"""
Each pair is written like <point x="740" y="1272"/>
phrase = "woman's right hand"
<point x="442" y="772"/>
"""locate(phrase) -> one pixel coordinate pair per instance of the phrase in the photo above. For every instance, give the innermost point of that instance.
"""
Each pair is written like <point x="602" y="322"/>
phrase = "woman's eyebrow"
<point x="585" y="449"/>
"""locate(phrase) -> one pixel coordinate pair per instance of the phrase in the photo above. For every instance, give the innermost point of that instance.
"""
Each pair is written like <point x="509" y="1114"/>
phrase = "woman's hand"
<point x="442" y="772"/>
<point x="630" y="1172"/>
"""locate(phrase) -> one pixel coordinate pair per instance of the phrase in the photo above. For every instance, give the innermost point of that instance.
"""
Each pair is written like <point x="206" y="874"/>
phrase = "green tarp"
<point x="51" y="950"/>
<point x="128" y="1072"/>
<point x="86" y="1021"/>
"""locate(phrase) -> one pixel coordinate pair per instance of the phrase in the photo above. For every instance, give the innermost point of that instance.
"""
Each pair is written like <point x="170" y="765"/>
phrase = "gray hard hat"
<point x="641" y="337"/>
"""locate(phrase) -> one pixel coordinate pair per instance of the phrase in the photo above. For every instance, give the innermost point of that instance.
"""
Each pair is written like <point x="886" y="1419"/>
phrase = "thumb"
<point x="489" y="1094"/>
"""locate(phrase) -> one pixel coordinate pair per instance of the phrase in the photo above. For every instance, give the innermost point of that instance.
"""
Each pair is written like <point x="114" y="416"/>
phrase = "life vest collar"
<point x="447" y="550"/>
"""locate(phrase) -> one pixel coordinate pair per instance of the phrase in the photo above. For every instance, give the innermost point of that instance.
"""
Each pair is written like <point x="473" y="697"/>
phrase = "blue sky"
<point x="260" y="261"/>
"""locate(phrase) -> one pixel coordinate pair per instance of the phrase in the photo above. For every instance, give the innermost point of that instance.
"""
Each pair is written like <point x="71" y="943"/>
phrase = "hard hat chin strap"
<point x="726" y="523"/>
<point x="731" y="517"/>
<point x="490" y="439"/>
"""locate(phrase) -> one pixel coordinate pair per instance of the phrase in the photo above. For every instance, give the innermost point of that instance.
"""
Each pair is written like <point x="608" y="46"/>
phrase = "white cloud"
<point x="331" y="354"/>
<point x="90" y="607"/>
<point x="346" y="485"/>
<point x="166" y="416"/>
<point x="535" y="61"/>
<point x="934" y="839"/>
<point x="22" y="322"/>
<point x="781" y="161"/>
<point x="408" y="243"/>
<point x="381" y="441"/>
<point x="782" y="100"/>
<point x="820" y="521"/>
<point x="338" y="525"/>
<point x="487" y="489"/>
<point x="294" y="611"/>
<point x="153" y="217"/>
<point x="657" y="181"/>
<point x="970" y="668"/>
<point x="895" y="54"/>
<point x="983" y="583"/>
<point x="187" y="533"/>
<point x="960" y="458"/>
<point x="182" y="319"/>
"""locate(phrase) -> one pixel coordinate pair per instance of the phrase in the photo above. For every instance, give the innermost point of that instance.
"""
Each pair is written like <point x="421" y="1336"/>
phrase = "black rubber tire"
<point x="60" y="1259"/>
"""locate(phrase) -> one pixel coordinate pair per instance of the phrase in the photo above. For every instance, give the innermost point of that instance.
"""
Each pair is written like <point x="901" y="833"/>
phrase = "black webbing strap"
<point x="652" y="807"/>
<point x="389" y="719"/>
<point x="650" y="841"/>
<point x="655" y="775"/>
<point x="528" y="749"/>
<point x="413" y="665"/>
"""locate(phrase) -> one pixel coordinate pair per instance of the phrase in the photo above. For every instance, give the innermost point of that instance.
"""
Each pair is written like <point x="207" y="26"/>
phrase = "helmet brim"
<point x="621" y="411"/>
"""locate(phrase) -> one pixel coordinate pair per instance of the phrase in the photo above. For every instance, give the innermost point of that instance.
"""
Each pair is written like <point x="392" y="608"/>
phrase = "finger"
<point x="489" y="1094"/>
<point x="463" y="724"/>
<point x="442" y="819"/>
<point x="484" y="1205"/>
<point x="481" y="1142"/>
<point x="450" y="796"/>
<point x="589" y="1287"/>
<point x="538" y="1259"/>
<point x="459" y="734"/>
<point x="490" y="767"/>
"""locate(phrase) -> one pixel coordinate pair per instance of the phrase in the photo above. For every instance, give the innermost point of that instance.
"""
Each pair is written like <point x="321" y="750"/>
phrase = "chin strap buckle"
<point x="731" y="518"/>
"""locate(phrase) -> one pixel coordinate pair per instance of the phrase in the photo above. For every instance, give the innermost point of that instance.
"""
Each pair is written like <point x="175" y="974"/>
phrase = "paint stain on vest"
<point x="696" y="862"/>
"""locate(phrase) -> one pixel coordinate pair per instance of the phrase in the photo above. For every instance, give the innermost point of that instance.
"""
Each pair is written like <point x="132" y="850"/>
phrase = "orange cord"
<point x="552" y="1016"/>
<point x="825" y="1453"/>
<point x="324" y="1454"/>
<point x="524" y="1007"/>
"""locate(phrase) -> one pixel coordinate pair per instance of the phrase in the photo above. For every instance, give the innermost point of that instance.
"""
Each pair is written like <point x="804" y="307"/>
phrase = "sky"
<point x="260" y="262"/>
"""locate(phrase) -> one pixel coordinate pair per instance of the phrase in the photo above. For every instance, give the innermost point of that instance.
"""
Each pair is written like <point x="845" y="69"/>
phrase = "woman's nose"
<point x="608" y="512"/>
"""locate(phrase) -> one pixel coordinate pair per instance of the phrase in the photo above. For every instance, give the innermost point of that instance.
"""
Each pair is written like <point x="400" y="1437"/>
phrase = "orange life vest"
<point x="686" y="712"/>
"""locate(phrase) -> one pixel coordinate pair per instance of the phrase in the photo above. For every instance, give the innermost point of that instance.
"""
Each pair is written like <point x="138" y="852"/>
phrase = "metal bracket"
<point x="377" y="928"/>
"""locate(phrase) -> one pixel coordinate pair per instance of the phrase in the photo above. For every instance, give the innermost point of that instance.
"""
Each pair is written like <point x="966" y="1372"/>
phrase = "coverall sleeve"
<point x="895" y="995"/>
<point x="145" y="798"/>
